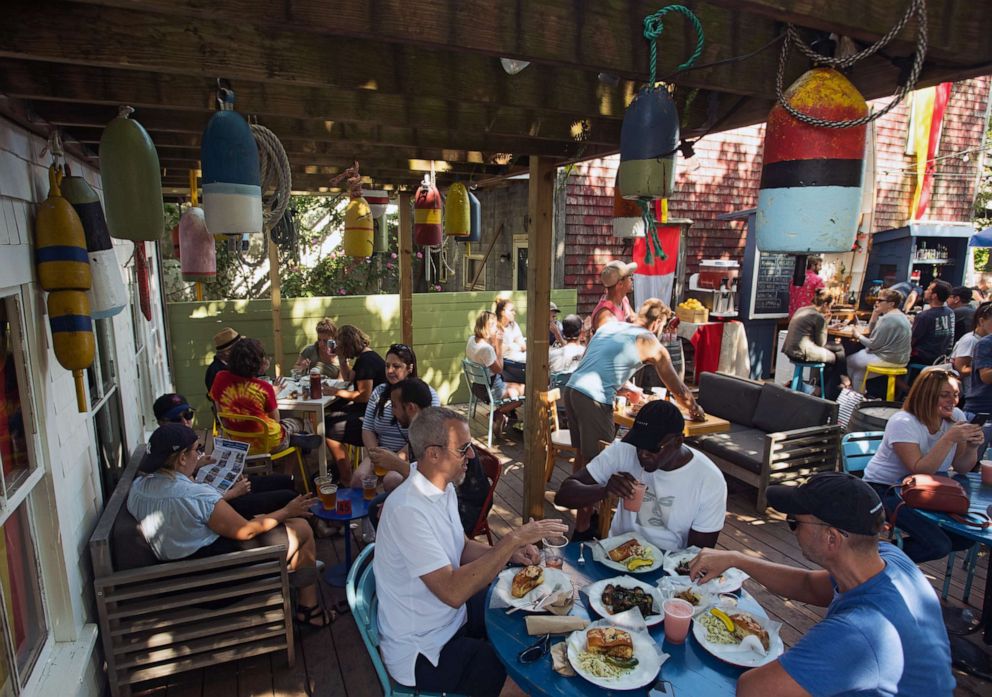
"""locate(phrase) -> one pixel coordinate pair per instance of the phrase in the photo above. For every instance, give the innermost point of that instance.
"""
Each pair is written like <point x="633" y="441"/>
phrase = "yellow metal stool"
<point x="355" y="453"/>
<point x="881" y="370"/>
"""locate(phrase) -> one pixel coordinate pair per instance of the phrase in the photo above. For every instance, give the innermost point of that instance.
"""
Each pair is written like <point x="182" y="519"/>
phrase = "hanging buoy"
<point x="357" y="240"/>
<point x="810" y="194"/>
<point x="378" y="201"/>
<point x="72" y="335"/>
<point x="59" y="242"/>
<point x="232" y="191"/>
<point x="141" y="272"/>
<point x="132" y="180"/>
<point x="198" y="250"/>
<point x="475" y="215"/>
<point x="108" y="294"/>
<point x="427" y="215"/>
<point x="649" y="139"/>
<point x="628" y="220"/>
<point x="457" y="212"/>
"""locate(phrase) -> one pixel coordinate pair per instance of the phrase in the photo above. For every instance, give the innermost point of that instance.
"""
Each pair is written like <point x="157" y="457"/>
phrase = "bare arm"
<point x="369" y="439"/>
<point x="804" y="585"/>
<point x="966" y="436"/>
<point x="580" y="489"/>
<point x="985" y="374"/>
<point x="962" y="364"/>
<point x="703" y="539"/>
<point x="769" y="679"/>
<point x="359" y="395"/>
<point x="653" y="353"/>
<point x="227" y="522"/>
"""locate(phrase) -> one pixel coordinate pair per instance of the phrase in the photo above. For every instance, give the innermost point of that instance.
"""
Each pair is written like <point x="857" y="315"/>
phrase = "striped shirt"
<point x="391" y="435"/>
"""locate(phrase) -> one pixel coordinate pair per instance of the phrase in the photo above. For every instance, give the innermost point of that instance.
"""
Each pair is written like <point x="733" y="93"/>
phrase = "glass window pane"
<point x="104" y="329"/>
<point x="13" y="439"/>
<point x="109" y="428"/>
<point x="26" y="625"/>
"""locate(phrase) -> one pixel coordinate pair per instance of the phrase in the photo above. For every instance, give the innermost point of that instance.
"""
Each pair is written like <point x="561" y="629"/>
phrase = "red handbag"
<point x="940" y="494"/>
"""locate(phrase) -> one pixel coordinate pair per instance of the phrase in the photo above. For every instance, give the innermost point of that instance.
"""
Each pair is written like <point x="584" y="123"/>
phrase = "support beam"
<point x="536" y="418"/>
<point x="406" y="267"/>
<point x="276" y="295"/>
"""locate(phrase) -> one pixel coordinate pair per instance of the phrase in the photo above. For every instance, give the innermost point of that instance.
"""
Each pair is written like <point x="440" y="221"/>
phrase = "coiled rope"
<point x="276" y="175"/>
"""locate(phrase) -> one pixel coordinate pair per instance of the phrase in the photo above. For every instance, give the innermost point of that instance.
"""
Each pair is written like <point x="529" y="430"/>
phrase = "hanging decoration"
<point x="358" y="228"/>
<point x="198" y="251"/>
<point x="628" y="220"/>
<point x="457" y="212"/>
<point x="812" y="171"/>
<point x="929" y="105"/>
<point x="649" y="136"/>
<point x="64" y="271"/>
<point x="475" y="217"/>
<point x="107" y="295"/>
<point x="427" y="213"/>
<point x="276" y="176"/>
<point x="232" y="191"/>
<point x="144" y="283"/>
<point x="132" y="180"/>
<point x="174" y="236"/>
<point x="378" y="201"/>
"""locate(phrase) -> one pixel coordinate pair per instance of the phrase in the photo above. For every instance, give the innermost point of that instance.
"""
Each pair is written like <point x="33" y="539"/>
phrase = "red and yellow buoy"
<point x="427" y="215"/>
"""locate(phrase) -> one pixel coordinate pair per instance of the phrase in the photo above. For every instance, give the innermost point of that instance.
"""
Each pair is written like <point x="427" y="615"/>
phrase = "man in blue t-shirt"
<point x="883" y="633"/>
<point x="933" y="329"/>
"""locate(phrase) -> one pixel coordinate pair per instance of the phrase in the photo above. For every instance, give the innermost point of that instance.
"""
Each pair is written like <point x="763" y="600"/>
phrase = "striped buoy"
<point x="198" y="258"/>
<point x="457" y="212"/>
<point x="378" y="201"/>
<point x="232" y="191"/>
<point x="427" y="215"/>
<point x="132" y="180"/>
<point x="649" y="139"/>
<point x="811" y="177"/>
<point x="475" y="212"/>
<point x="357" y="240"/>
<point x="59" y="242"/>
<point x="628" y="220"/>
<point x="108" y="295"/>
<point x="72" y="335"/>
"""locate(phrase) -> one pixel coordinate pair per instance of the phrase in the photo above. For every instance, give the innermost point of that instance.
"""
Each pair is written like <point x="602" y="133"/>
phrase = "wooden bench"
<point x="157" y="619"/>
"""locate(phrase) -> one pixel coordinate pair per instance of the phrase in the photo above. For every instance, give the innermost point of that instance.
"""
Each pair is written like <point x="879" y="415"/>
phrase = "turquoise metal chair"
<point x="476" y="374"/>
<point x="364" y="609"/>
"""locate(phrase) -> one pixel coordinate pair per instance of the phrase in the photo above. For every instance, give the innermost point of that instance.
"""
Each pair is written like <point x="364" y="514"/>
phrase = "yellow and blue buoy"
<point x="475" y="213"/>
<point x="232" y="190"/>
<point x="59" y="242"/>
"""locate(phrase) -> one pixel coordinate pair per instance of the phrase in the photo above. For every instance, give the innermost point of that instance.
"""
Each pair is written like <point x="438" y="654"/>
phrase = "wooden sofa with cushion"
<point x="159" y="618"/>
<point x="776" y="435"/>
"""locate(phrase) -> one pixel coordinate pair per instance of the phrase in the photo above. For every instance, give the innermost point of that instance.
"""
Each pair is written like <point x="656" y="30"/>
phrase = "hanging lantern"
<point x="457" y="212"/>
<point x="108" y="295"/>
<point x="198" y="251"/>
<point x="378" y="201"/>
<point x="232" y="191"/>
<point x="64" y="270"/>
<point x="810" y="194"/>
<point x="475" y="215"/>
<point x="628" y="219"/>
<point x="427" y="214"/>
<point x="358" y="228"/>
<point x="132" y="180"/>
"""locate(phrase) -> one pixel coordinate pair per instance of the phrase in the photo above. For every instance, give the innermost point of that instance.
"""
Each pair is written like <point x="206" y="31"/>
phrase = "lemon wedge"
<point x="723" y="617"/>
<point x="637" y="563"/>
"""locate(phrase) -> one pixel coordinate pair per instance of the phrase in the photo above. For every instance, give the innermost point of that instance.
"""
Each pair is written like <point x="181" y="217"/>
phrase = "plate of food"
<point x="741" y="638"/>
<point x="683" y="588"/>
<point x="614" y="658"/>
<point x="628" y="553"/>
<point x="677" y="562"/>
<point x="615" y="595"/>
<point x="523" y="587"/>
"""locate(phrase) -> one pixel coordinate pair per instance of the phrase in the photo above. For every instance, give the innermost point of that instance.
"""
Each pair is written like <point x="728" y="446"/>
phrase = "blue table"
<point x="981" y="499"/>
<point x="337" y="575"/>
<point x="690" y="670"/>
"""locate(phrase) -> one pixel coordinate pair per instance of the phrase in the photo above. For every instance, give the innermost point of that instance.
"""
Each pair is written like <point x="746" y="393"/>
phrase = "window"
<point x="105" y="404"/>
<point x="520" y="250"/>
<point x="472" y="265"/>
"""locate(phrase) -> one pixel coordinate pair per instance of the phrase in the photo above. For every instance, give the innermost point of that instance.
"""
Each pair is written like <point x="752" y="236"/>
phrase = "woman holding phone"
<point x="929" y="436"/>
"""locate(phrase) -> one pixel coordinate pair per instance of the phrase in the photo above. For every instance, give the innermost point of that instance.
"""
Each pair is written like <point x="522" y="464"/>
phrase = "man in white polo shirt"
<point x="431" y="580"/>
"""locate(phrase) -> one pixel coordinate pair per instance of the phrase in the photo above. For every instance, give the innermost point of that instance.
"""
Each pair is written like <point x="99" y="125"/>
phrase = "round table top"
<point x="359" y="506"/>
<point x="690" y="670"/>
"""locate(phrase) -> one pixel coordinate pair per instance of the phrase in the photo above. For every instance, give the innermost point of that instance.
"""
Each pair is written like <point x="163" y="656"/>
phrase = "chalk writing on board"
<point x="770" y="294"/>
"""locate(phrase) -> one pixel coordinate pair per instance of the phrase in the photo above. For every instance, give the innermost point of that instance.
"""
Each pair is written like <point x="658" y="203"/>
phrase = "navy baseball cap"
<point x="170" y="406"/>
<point x="167" y="440"/>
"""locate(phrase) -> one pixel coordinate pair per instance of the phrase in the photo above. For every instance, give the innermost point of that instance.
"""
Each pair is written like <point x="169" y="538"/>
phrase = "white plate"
<point x="729" y="581"/>
<point x="732" y="653"/>
<point x="553" y="579"/>
<point x="612" y="543"/>
<point x="595" y="592"/>
<point x="676" y="557"/>
<point x="668" y="586"/>
<point x="645" y="650"/>
<point x="336" y="384"/>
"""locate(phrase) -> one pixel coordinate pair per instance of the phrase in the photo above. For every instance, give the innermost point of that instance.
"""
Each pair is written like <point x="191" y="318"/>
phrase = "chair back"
<point x="476" y="373"/>
<point x="493" y="469"/>
<point x="558" y="380"/>
<point x="224" y="418"/>
<point x="857" y="449"/>
<point x="552" y="397"/>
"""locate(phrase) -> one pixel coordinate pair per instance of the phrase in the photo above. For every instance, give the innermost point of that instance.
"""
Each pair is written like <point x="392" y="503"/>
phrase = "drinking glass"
<point x="369" y="485"/>
<point x="553" y="554"/>
<point x="327" y="491"/>
<point x="678" y="617"/>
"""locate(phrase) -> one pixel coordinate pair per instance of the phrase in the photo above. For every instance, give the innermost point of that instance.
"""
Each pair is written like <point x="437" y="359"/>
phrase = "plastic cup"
<point x="379" y="471"/>
<point x="369" y="485"/>
<point x="678" y="617"/>
<point x="633" y="502"/>
<point x="987" y="472"/>
<point x="621" y="404"/>
<point x="327" y="491"/>
<point x="553" y="554"/>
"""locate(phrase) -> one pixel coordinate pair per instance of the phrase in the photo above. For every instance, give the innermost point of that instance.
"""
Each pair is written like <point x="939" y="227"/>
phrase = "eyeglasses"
<point x="461" y="452"/>
<point x="794" y="525"/>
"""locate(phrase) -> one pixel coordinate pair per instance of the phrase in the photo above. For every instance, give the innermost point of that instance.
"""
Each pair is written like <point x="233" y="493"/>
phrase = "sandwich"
<point x="610" y="642"/>
<point x="745" y="625"/>
<point x="631" y="548"/>
<point x="526" y="580"/>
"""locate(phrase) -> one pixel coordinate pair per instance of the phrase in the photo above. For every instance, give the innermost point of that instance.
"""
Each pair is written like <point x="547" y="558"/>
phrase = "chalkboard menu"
<point x="770" y="285"/>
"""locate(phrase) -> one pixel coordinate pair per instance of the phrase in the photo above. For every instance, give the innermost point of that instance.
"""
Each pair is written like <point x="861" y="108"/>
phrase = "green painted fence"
<point x="442" y="323"/>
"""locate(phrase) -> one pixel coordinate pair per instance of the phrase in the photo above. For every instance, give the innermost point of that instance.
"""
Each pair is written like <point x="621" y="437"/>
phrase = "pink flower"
<point x="389" y="264"/>
<point x="437" y="288"/>
<point x="341" y="291"/>
<point x="392" y="255"/>
<point x="420" y="255"/>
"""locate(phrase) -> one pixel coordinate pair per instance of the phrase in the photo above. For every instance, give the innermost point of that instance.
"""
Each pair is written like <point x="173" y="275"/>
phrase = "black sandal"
<point x="305" y="615"/>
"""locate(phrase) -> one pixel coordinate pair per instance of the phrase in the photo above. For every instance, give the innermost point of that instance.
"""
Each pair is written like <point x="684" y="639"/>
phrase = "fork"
<point x="534" y="605"/>
<point x="582" y="550"/>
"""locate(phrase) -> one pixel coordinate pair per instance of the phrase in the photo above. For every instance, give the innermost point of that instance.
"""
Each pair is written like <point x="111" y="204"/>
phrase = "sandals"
<point x="305" y="616"/>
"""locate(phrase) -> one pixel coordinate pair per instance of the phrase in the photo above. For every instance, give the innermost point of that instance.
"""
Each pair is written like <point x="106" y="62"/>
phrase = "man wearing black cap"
<point x="685" y="500"/>
<point x="883" y="633"/>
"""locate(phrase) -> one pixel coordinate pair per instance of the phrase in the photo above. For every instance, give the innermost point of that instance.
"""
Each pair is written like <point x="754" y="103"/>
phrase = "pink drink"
<point x="633" y="502"/>
<point x="987" y="472"/>
<point x="678" y="617"/>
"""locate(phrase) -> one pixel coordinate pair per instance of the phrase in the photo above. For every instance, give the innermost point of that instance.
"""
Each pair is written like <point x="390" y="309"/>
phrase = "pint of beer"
<point x="369" y="485"/>
<point x="327" y="491"/>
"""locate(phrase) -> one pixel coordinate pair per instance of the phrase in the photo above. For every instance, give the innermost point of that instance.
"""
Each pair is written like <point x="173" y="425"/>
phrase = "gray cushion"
<point x="129" y="548"/>
<point x="741" y="446"/>
<point x="781" y="409"/>
<point x="729" y="397"/>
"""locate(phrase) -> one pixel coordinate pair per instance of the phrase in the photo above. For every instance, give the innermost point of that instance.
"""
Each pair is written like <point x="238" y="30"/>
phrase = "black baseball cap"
<point x="170" y="406"/>
<point x="839" y="499"/>
<point x="653" y="422"/>
<point x="168" y="439"/>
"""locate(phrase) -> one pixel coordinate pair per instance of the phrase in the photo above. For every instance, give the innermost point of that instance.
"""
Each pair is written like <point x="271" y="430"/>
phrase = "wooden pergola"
<point x="399" y="86"/>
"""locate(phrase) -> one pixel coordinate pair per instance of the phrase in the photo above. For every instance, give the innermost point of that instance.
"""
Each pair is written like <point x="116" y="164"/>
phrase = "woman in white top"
<point x="929" y="436"/>
<point x="485" y="347"/>
<point x="514" y="344"/>
<point x="183" y="519"/>
<point x="961" y="355"/>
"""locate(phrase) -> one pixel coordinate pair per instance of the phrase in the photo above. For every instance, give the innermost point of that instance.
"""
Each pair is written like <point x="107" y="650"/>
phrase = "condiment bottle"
<point x="315" y="384"/>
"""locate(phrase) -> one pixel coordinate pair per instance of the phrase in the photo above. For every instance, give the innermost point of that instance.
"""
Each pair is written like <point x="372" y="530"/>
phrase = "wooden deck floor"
<point x="333" y="661"/>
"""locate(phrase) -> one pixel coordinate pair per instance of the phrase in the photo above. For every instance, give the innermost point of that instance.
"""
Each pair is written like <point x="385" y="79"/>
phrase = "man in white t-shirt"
<point x="686" y="498"/>
<point x="431" y="580"/>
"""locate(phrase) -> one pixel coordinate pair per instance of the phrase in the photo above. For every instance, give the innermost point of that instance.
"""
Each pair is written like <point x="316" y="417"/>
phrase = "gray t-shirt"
<point x="890" y="338"/>
<point x="312" y="354"/>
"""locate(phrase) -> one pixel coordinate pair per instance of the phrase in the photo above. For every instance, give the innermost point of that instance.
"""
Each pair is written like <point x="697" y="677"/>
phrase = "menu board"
<point x="770" y="285"/>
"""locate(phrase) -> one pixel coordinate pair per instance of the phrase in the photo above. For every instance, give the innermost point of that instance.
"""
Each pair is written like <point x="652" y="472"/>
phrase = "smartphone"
<point x="979" y="419"/>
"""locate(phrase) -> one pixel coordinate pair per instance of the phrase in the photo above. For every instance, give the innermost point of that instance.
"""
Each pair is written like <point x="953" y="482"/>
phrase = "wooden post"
<point x="406" y="268"/>
<point x="276" y="307"/>
<point x="539" y="257"/>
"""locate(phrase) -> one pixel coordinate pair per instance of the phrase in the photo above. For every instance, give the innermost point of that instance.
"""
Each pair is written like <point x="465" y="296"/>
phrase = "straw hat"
<point x="225" y="338"/>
